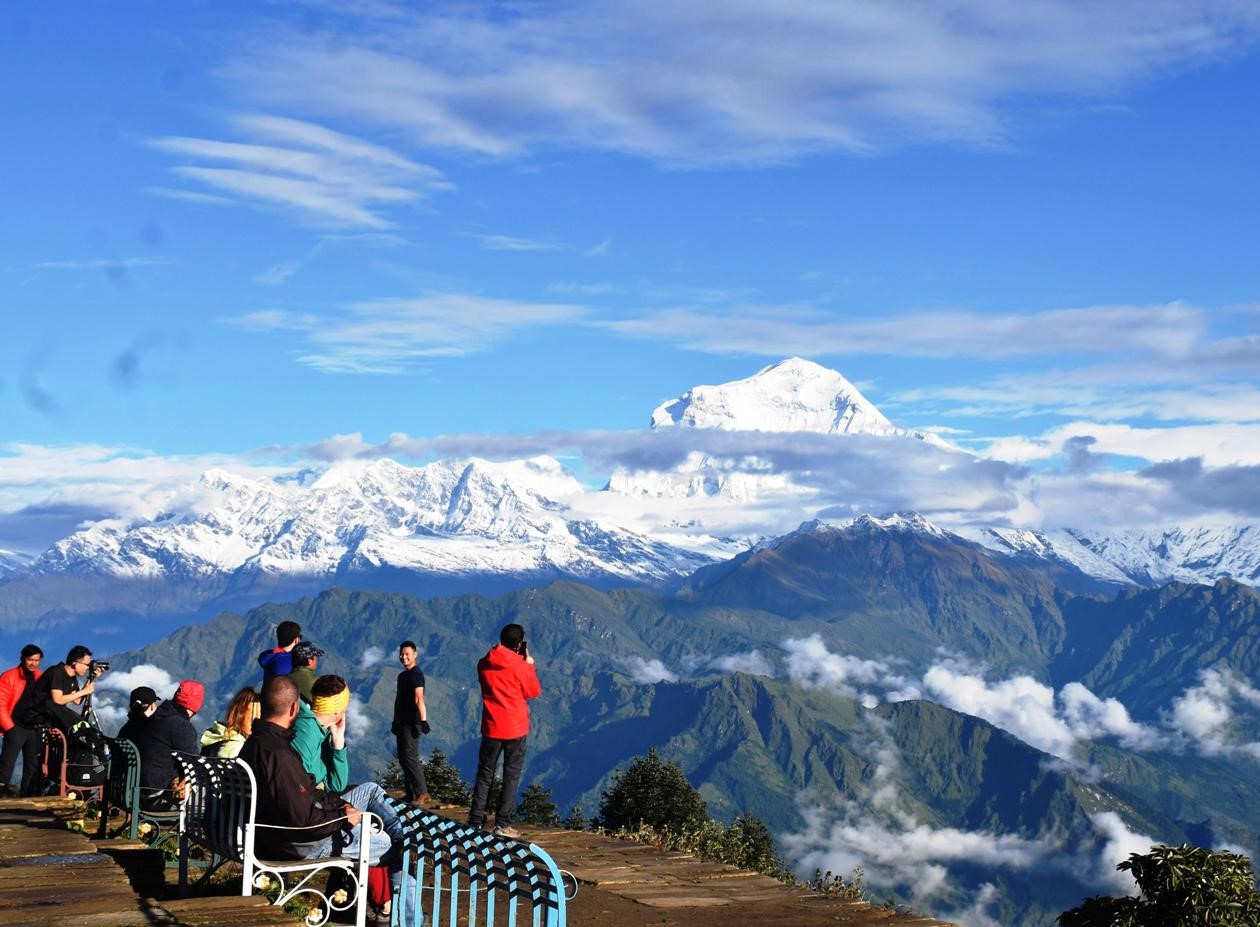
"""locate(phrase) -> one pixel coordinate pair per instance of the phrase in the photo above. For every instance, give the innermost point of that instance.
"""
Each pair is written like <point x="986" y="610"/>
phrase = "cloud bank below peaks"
<point x="1205" y="718"/>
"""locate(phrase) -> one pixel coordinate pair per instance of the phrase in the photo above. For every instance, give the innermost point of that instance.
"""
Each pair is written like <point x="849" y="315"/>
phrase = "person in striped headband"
<point x="320" y="740"/>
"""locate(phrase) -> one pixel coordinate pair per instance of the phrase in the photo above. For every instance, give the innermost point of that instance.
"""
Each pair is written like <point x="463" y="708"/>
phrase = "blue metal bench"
<point x="468" y="876"/>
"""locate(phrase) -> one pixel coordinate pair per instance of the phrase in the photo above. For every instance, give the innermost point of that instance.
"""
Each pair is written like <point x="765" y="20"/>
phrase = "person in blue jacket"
<point x="279" y="661"/>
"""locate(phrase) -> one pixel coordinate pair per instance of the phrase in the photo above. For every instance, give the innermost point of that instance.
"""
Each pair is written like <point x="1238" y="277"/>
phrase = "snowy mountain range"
<point x="1201" y="554"/>
<point x="449" y="517"/>
<point x="475" y="522"/>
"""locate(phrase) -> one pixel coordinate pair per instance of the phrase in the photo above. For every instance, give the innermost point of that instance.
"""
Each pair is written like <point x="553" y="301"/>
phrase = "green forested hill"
<point x="910" y="775"/>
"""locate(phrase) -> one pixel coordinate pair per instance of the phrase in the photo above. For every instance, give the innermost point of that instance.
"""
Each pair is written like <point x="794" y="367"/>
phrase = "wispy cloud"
<point x="649" y="671"/>
<point x="277" y="274"/>
<point x="387" y="336"/>
<point x="512" y="243"/>
<point x="125" y="263"/>
<point x="1216" y="445"/>
<point x="323" y="177"/>
<point x="1171" y="329"/>
<point x="730" y="82"/>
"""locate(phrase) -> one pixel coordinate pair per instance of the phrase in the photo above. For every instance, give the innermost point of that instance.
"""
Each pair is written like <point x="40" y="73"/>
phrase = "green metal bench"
<point x="122" y="791"/>
<point x="468" y="876"/>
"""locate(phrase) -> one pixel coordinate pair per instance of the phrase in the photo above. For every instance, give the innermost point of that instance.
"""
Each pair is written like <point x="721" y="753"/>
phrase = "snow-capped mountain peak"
<point x="792" y="395"/>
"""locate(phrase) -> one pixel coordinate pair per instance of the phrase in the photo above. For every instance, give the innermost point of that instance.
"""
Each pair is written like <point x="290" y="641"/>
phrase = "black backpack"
<point x="87" y="756"/>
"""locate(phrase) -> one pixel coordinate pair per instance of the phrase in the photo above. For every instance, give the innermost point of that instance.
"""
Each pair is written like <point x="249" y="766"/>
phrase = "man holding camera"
<point x="508" y="680"/>
<point x="56" y="690"/>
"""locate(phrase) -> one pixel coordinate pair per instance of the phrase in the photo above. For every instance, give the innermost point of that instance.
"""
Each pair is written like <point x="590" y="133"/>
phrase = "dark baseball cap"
<point x="305" y="650"/>
<point x="143" y="697"/>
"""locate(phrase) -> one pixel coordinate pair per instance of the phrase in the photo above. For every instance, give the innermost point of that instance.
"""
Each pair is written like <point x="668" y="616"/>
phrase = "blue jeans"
<point x="385" y="848"/>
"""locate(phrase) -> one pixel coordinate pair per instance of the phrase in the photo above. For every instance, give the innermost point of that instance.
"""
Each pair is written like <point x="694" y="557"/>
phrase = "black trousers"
<point x="409" y="761"/>
<point x="513" y="752"/>
<point x="24" y="742"/>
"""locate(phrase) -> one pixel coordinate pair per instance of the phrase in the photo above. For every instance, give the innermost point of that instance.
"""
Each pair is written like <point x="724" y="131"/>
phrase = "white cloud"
<point x="1205" y="713"/>
<point x="810" y="663"/>
<point x="1170" y="329"/>
<point x="1218" y="444"/>
<point x="389" y="335"/>
<point x="1120" y="843"/>
<point x="1034" y="713"/>
<point x="145" y="674"/>
<point x="754" y="663"/>
<point x="511" y="243"/>
<point x="876" y="831"/>
<point x="114" y="687"/>
<point x="649" y="671"/>
<point x="373" y="656"/>
<point x="104" y="264"/>
<point x="321" y="176"/>
<point x="358" y="722"/>
<point x="729" y="82"/>
<point x="100" y="481"/>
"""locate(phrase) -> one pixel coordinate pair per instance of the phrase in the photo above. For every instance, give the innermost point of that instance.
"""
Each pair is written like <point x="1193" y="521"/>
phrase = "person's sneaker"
<point x="506" y="830"/>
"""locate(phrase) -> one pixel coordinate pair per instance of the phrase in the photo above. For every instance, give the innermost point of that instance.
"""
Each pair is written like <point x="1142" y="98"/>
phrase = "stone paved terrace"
<point x="52" y="875"/>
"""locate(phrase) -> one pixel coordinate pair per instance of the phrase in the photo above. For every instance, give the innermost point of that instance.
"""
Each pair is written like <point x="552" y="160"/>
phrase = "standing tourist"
<point x="411" y="719"/>
<point x="17" y="688"/>
<point x="508" y="680"/>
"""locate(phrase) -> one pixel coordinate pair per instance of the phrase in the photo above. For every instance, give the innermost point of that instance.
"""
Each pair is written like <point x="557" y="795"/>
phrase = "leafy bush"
<point x="1186" y="886"/>
<point x="654" y="792"/>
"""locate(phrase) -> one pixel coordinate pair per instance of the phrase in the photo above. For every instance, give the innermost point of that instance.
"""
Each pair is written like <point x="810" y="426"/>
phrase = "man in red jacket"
<point x="19" y="739"/>
<point x="508" y="680"/>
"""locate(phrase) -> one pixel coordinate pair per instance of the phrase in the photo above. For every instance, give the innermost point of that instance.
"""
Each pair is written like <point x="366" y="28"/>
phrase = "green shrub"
<point x="1185" y="886"/>
<point x="536" y="807"/>
<point x="576" y="820"/>
<point x="444" y="781"/>
<point x="654" y="792"/>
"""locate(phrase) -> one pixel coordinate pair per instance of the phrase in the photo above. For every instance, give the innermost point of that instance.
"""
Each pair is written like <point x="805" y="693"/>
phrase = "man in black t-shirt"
<point x="57" y="692"/>
<point x="411" y="719"/>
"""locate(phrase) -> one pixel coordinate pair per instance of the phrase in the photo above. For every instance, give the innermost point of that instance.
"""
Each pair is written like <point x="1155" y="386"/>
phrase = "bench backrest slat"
<point x="463" y="872"/>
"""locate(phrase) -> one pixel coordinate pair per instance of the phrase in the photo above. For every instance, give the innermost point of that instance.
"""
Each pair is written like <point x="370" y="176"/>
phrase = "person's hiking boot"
<point x="507" y="830"/>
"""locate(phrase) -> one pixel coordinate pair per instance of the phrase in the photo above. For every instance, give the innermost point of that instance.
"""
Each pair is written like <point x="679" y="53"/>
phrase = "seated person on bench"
<point x="287" y="796"/>
<point x="168" y="730"/>
<point x="320" y="739"/>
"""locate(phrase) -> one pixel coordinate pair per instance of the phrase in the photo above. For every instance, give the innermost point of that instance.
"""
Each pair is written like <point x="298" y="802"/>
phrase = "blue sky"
<point x="235" y="227"/>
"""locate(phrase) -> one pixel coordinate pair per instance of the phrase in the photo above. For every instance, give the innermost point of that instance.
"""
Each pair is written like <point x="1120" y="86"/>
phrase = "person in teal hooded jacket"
<point x="320" y="740"/>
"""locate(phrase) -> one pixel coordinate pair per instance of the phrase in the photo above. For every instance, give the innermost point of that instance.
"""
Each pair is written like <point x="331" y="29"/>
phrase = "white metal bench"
<point x="218" y="814"/>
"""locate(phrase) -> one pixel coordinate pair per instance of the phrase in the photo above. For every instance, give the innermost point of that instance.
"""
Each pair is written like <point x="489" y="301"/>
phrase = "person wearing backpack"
<point x="169" y="730"/>
<point x="17" y="688"/>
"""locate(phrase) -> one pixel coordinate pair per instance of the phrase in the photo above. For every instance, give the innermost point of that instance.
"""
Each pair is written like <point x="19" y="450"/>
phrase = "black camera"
<point x="95" y="665"/>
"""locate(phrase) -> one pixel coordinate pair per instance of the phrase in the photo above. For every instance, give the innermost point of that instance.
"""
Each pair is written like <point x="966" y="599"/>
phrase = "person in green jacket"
<point x="305" y="662"/>
<point x="225" y="738"/>
<point x="320" y="733"/>
<point x="319" y="737"/>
